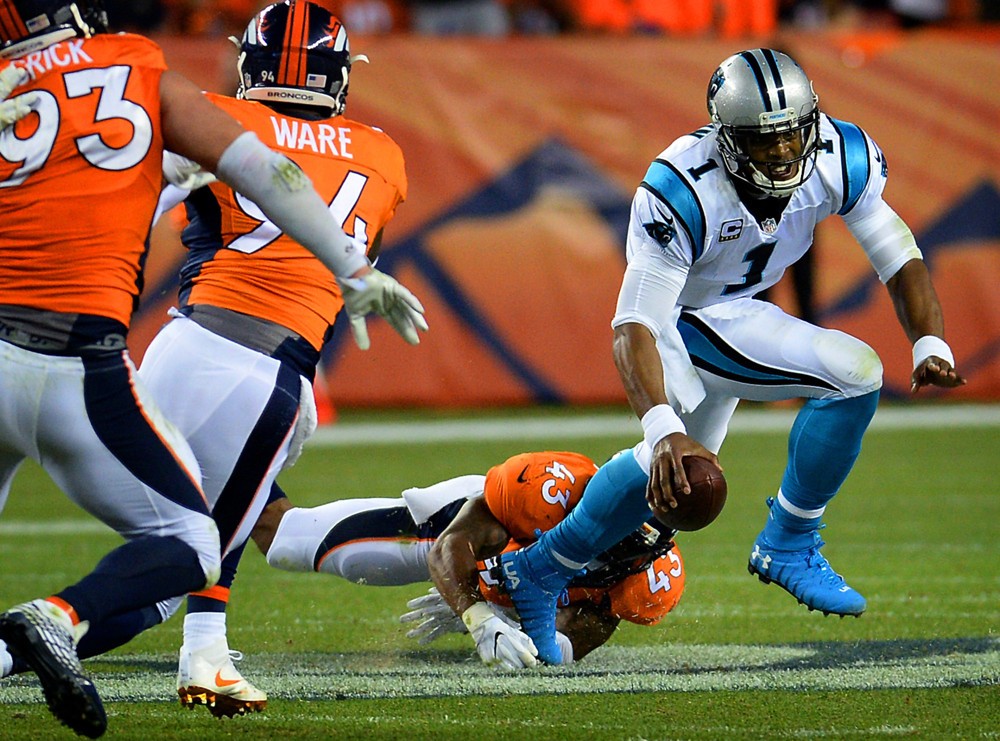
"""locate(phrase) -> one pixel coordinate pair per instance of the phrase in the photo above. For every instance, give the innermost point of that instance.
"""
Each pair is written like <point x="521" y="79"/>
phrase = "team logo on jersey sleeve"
<point x="661" y="232"/>
<point x="731" y="230"/>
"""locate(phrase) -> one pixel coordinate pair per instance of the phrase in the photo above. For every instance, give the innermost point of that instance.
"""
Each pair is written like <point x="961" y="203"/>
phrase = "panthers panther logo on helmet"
<point x="295" y="53"/>
<point x="768" y="120"/>
<point x="29" y="25"/>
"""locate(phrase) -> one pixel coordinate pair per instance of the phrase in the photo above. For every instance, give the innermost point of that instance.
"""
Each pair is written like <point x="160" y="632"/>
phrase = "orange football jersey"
<point x="530" y="493"/>
<point x="535" y="491"/>
<point x="241" y="261"/>
<point x="80" y="177"/>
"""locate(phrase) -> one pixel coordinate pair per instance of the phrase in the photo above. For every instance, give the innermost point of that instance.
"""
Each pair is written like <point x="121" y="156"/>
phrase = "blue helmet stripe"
<point x="854" y="163"/>
<point x="761" y="82"/>
<point x="663" y="181"/>
<point x="772" y="64"/>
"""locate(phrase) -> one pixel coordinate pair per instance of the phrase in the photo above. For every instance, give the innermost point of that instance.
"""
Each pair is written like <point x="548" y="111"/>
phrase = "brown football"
<point x="706" y="500"/>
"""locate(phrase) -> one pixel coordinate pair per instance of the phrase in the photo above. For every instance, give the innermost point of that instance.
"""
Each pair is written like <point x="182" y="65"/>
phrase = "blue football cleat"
<point x="536" y="605"/>
<point x="806" y="575"/>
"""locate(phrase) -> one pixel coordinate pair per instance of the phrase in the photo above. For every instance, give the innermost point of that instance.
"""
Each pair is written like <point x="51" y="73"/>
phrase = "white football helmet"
<point x="768" y="120"/>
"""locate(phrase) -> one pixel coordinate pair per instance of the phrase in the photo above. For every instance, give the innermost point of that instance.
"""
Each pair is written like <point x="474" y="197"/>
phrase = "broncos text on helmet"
<point x="767" y="117"/>
<point x="295" y="53"/>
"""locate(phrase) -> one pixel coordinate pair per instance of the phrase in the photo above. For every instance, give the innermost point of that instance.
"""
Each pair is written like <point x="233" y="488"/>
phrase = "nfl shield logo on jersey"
<point x="769" y="226"/>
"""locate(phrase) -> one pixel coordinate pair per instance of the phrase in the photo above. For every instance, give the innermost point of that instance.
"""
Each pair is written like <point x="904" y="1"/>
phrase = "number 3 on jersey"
<point x="34" y="150"/>
<point x="658" y="580"/>
<point x="341" y="206"/>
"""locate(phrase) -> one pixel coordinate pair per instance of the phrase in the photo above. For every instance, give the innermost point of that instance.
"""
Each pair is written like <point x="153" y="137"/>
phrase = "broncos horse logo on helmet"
<point x="295" y="53"/>
<point x="762" y="100"/>
<point x="29" y="25"/>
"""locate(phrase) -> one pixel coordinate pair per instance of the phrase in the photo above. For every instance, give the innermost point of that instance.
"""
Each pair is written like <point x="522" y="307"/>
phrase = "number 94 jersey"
<point x="240" y="261"/>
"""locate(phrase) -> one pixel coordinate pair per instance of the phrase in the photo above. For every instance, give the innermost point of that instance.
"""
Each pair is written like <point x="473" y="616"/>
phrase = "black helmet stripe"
<point x="758" y="74"/>
<point x="772" y="64"/>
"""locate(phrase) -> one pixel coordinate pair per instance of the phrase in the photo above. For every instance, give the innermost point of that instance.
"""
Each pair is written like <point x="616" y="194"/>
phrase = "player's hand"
<point x="666" y="470"/>
<point x="435" y="618"/>
<point x="184" y="173"/>
<point x="12" y="111"/>
<point x="375" y="292"/>
<point x="935" y="371"/>
<point x="498" y="641"/>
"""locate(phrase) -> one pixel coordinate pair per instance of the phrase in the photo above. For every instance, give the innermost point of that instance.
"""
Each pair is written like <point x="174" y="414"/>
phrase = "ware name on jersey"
<point x="239" y="260"/>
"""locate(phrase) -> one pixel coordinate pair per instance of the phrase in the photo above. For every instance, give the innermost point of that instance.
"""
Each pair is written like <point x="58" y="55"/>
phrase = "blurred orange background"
<point x="523" y="154"/>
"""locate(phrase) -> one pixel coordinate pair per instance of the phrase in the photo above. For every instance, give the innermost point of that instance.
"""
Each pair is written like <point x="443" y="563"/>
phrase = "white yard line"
<point x="568" y="427"/>
<point x="626" y="425"/>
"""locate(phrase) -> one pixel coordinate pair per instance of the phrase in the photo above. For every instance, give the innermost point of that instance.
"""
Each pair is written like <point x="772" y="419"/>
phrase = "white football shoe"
<point x="208" y="677"/>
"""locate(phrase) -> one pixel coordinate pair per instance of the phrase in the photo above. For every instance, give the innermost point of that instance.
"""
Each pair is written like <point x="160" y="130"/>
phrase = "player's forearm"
<point x="639" y="367"/>
<point x="916" y="302"/>
<point x="455" y="573"/>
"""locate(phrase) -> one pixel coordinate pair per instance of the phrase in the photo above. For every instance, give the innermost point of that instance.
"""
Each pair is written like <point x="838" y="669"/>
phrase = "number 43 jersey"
<point x="239" y="260"/>
<point x="687" y="217"/>
<point x="80" y="177"/>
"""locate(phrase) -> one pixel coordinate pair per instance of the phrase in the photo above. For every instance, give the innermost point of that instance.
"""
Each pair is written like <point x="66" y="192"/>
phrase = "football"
<point x="706" y="500"/>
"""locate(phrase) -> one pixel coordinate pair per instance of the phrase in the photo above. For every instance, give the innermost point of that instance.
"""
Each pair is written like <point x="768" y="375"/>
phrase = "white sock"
<point x="203" y="629"/>
<point x="6" y="660"/>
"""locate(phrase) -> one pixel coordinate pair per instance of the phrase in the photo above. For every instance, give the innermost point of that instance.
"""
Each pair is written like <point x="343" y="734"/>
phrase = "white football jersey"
<point x="687" y="218"/>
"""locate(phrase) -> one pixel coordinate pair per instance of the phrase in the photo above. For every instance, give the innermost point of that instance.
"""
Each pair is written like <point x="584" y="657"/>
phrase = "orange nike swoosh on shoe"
<point x="220" y="682"/>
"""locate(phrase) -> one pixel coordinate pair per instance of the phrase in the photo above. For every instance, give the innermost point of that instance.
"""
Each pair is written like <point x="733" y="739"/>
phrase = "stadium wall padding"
<point x="523" y="154"/>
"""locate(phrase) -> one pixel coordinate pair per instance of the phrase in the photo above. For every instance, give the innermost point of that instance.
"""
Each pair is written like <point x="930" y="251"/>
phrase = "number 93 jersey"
<point x="687" y="216"/>
<point x="80" y="176"/>
<point x="239" y="260"/>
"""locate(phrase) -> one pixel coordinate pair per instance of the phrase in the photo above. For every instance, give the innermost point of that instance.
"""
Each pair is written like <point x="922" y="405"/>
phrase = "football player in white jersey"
<point x="719" y="216"/>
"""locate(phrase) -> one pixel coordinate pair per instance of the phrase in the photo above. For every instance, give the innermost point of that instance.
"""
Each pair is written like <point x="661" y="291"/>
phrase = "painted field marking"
<point x="899" y="664"/>
<point x="626" y="425"/>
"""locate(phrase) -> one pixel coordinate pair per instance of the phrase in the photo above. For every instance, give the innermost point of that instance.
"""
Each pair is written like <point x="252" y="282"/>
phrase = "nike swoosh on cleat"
<point x="220" y="682"/>
<point x="520" y="476"/>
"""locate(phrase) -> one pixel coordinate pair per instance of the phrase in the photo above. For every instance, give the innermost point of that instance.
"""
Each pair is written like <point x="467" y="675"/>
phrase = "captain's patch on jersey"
<point x="661" y="232"/>
<point x="731" y="230"/>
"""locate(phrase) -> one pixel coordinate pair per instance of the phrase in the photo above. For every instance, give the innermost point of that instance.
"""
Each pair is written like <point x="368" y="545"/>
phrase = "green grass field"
<point x="915" y="529"/>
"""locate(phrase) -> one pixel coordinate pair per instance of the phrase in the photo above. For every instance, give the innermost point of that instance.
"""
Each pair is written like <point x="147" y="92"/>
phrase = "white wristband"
<point x="476" y="615"/>
<point x="930" y="345"/>
<point x="659" y="422"/>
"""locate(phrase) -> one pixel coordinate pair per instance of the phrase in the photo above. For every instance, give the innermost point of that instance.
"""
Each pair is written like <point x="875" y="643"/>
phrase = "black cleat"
<point x="35" y="631"/>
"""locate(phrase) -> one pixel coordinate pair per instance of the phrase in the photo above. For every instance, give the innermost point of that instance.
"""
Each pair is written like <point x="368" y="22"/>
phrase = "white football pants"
<point x="96" y="430"/>
<point x="238" y="409"/>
